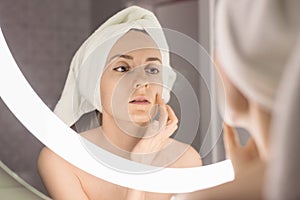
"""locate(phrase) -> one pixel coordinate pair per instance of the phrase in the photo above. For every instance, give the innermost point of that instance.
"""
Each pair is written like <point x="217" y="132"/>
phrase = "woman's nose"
<point x="141" y="84"/>
<point x="140" y="78"/>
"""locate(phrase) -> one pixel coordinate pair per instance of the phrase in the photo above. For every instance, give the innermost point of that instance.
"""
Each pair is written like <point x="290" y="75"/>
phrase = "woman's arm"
<point x="59" y="177"/>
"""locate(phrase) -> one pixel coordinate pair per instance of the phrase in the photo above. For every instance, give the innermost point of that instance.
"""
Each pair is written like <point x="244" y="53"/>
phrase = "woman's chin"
<point x="140" y="120"/>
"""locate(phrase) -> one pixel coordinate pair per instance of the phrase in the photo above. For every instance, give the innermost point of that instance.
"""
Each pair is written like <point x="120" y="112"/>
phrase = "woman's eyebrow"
<point x="131" y="58"/>
<point x="153" y="59"/>
<point x="121" y="56"/>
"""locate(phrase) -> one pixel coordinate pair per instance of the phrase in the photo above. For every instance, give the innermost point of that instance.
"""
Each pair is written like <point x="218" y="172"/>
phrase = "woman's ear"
<point x="236" y="105"/>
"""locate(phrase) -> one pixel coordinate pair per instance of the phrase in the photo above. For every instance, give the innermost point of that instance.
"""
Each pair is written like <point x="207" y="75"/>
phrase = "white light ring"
<point x="47" y="127"/>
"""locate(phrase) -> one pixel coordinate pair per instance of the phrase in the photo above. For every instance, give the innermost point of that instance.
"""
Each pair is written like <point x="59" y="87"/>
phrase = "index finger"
<point x="159" y="100"/>
<point x="163" y="114"/>
<point x="172" y="116"/>
<point x="231" y="140"/>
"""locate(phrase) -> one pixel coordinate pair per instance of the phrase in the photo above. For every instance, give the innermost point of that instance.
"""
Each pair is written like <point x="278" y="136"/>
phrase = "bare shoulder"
<point x="59" y="176"/>
<point x="47" y="157"/>
<point x="49" y="162"/>
<point x="190" y="157"/>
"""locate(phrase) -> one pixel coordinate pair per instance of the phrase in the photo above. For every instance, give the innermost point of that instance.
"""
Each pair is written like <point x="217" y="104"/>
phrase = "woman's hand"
<point x="242" y="157"/>
<point x="248" y="168"/>
<point x="156" y="136"/>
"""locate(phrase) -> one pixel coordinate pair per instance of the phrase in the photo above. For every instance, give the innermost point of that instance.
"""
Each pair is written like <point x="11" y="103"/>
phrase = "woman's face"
<point x="132" y="78"/>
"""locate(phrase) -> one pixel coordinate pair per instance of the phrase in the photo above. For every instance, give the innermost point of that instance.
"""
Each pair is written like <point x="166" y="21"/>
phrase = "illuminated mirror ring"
<point x="46" y="127"/>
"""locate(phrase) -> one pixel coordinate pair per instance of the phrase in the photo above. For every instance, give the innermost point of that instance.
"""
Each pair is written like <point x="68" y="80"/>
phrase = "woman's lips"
<point x="140" y="100"/>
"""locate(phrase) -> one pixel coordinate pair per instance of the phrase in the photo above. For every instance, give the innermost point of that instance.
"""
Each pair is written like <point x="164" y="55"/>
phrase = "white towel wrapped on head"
<point x="81" y="93"/>
<point x="283" y="175"/>
<point x="254" y="41"/>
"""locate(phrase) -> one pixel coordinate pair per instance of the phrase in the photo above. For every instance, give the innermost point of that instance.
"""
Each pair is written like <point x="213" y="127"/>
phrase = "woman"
<point x="255" y="41"/>
<point x="119" y="71"/>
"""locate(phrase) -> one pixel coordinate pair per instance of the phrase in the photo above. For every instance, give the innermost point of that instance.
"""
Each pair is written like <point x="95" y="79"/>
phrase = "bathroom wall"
<point x="43" y="36"/>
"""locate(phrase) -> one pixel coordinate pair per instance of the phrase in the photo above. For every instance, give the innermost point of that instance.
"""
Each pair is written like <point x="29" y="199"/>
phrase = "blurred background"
<point x="44" y="35"/>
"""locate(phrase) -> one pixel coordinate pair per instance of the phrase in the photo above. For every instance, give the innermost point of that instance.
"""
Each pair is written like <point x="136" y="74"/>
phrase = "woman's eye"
<point x="121" y="69"/>
<point x="152" y="70"/>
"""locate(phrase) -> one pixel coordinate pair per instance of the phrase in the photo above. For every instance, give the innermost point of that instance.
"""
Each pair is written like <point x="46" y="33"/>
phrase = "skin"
<point x="121" y="131"/>
<point x="248" y="161"/>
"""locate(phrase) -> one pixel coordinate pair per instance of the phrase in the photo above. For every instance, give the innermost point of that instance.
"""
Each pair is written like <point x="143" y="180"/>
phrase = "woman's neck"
<point x="118" y="137"/>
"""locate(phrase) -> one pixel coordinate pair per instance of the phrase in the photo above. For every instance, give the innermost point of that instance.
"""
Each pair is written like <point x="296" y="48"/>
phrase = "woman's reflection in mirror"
<point x="128" y="91"/>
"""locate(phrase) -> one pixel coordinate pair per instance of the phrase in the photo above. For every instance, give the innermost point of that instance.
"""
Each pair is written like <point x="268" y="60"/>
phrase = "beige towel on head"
<point x="254" y="41"/>
<point x="81" y="93"/>
<point x="283" y="174"/>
